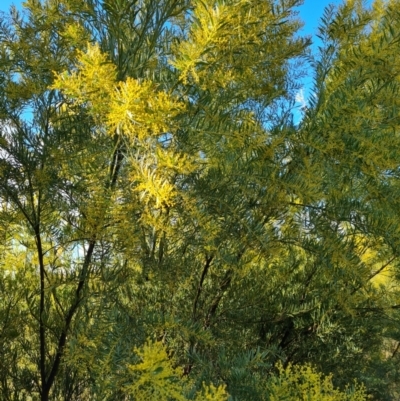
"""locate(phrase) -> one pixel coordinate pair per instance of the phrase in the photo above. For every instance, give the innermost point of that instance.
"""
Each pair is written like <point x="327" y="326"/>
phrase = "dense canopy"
<point x="174" y="226"/>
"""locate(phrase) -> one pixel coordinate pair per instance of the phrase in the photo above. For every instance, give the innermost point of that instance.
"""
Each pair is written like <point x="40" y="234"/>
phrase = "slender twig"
<point x="201" y="282"/>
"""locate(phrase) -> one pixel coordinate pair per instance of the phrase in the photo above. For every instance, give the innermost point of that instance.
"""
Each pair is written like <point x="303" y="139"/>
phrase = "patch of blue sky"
<point x="310" y="12"/>
<point x="6" y="4"/>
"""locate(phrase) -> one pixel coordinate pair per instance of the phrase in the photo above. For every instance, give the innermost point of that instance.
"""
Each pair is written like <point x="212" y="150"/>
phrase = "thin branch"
<point x="114" y="172"/>
<point x="200" y="286"/>
<point x="396" y="349"/>
<point x="382" y="268"/>
<point x="375" y="273"/>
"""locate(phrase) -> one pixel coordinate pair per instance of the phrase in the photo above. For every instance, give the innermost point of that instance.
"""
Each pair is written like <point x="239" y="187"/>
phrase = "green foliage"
<point x="154" y="185"/>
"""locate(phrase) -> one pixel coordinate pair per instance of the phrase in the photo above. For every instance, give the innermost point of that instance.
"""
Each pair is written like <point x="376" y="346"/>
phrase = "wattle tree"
<point x="174" y="226"/>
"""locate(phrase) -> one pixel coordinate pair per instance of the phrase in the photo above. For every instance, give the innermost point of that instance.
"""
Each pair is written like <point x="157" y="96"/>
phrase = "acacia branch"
<point x="71" y="312"/>
<point x="201" y="282"/>
<point x="396" y="349"/>
<point x="114" y="171"/>
<point x="42" y="336"/>
<point x="370" y="277"/>
<point x="223" y="287"/>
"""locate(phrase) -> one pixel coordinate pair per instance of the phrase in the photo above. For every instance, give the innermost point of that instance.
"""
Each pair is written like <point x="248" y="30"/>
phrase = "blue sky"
<point x="5" y="4"/>
<point x="310" y="11"/>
